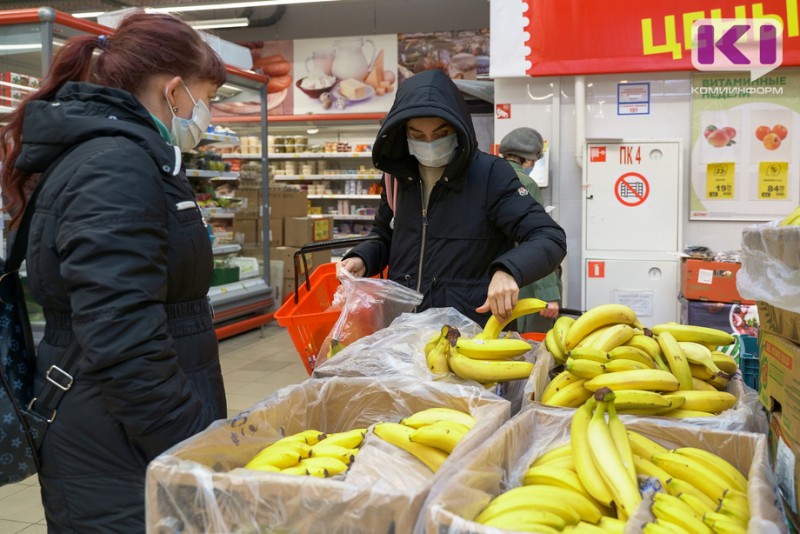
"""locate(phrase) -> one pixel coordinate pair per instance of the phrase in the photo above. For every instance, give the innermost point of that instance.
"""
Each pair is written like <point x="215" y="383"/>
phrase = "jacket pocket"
<point x="463" y="295"/>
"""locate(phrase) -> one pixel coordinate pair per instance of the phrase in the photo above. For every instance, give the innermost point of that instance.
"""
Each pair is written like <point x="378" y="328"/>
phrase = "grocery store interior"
<point x="676" y="181"/>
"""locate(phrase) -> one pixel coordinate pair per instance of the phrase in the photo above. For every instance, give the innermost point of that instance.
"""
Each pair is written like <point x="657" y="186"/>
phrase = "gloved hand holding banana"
<point x="591" y="483"/>
<point x="484" y="358"/>
<point x="671" y="370"/>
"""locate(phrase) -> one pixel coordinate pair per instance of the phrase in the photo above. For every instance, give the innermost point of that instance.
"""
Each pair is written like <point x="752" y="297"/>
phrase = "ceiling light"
<point x="211" y="7"/>
<point x="311" y="130"/>
<point x="21" y="47"/>
<point x="219" y="23"/>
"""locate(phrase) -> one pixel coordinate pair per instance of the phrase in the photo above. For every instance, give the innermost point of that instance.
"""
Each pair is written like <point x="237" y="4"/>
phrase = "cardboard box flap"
<point x="771" y="265"/>
<point x="499" y="465"/>
<point x="200" y="483"/>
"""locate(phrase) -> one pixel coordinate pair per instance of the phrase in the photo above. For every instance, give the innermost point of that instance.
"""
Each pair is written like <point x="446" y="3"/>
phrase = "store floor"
<point x="254" y="364"/>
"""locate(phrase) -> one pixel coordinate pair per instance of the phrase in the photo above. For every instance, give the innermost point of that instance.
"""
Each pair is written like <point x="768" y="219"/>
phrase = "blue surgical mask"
<point x="436" y="153"/>
<point x="187" y="133"/>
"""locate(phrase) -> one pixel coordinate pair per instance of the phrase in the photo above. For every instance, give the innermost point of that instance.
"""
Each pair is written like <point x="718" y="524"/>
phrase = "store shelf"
<point x="226" y="249"/>
<point x="339" y="217"/>
<point x="240" y="292"/>
<point x="214" y="175"/>
<point x="302" y="155"/>
<point x="295" y="177"/>
<point x="217" y="213"/>
<point x="227" y="139"/>
<point x="346" y="197"/>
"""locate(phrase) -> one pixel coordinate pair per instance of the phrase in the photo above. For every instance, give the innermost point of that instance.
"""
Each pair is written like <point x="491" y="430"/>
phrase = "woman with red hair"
<point x="120" y="260"/>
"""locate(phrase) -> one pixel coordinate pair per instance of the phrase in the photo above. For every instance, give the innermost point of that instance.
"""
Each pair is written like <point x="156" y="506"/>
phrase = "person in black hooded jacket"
<point x="458" y="211"/>
<point x="120" y="260"/>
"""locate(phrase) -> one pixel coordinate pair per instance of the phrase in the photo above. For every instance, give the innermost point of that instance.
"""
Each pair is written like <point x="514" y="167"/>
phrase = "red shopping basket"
<point x="305" y="316"/>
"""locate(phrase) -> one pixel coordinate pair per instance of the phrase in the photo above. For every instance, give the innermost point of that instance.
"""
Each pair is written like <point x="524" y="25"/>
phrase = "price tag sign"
<point x="773" y="177"/>
<point x="719" y="181"/>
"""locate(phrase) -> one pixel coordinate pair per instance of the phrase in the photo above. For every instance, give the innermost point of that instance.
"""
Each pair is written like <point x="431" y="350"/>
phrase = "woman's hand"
<point x="355" y="266"/>
<point x="502" y="297"/>
<point x="551" y="312"/>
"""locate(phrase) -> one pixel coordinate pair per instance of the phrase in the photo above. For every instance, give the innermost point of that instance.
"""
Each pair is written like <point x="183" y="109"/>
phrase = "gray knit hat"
<point x="524" y="142"/>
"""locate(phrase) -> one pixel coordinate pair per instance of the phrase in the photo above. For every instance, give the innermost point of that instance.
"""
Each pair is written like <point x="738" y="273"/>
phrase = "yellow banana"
<point x="615" y="366"/>
<point x="587" y="510"/>
<point x="721" y="467"/>
<point x="589" y="339"/>
<point x="639" y="399"/>
<point x="306" y="436"/>
<point x="488" y="371"/>
<point x="701" y="385"/>
<point x="686" y="468"/>
<point x="300" y="448"/>
<point x="560" y="329"/>
<point x="699" y="355"/>
<point x="269" y="468"/>
<point x="328" y="450"/>
<point x="659" y="526"/>
<point x="727" y="364"/>
<point x="737" y="496"/>
<point x="620" y="438"/>
<point x="584" y="368"/>
<point x="707" y="401"/>
<point x="535" y="502"/>
<point x="648" y="379"/>
<point x="597" y="317"/>
<point x="399" y="436"/>
<point x="625" y="352"/>
<point x="348" y="439"/>
<point x="559" y="382"/>
<point x="699" y="505"/>
<point x="700" y="371"/>
<point x="720" y="382"/>
<point x="793" y="219"/>
<point x="281" y="458"/>
<point x="555" y="453"/>
<point x="644" y="446"/>
<point x="678" y="486"/>
<point x="439" y="413"/>
<point x="437" y="358"/>
<point x="524" y="307"/>
<point x="609" y="463"/>
<point x="553" y="347"/>
<point x="723" y="524"/>
<point x="586" y="528"/>
<point x="492" y="349"/>
<point x="571" y="396"/>
<point x="312" y="471"/>
<point x="589" y="353"/>
<point x="680" y="413"/>
<point x="676" y="511"/>
<point x="437" y="435"/>
<point x="676" y="400"/>
<point x="649" y="345"/>
<point x="648" y="468"/>
<point x="673" y="354"/>
<point x="333" y="466"/>
<point x="611" y="525"/>
<point x="612" y="338"/>
<point x="697" y="334"/>
<point x="433" y="342"/>
<point x="733" y="510"/>
<point x="546" y="475"/>
<point x="526" y="519"/>
<point x="588" y="473"/>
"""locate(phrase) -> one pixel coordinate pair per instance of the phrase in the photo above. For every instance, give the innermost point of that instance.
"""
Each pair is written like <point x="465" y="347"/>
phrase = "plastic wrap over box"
<point x="771" y="265"/>
<point x="399" y="349"/>
<point x="747" y="414"/>
<point x="199" y="485"/>
<point x="500" y="463"/>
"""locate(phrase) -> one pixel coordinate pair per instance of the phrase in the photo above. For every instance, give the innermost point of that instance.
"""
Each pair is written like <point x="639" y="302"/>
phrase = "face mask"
<point x="527" y="170"/>
<point x="187" y="133"/>
<point x="436" y="153"/>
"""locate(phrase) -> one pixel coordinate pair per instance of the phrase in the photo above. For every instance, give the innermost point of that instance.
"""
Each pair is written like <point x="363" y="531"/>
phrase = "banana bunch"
<point x="484" y="360"/>
<point x="793" y="219"/>
<point x="429" y="435"/>
<point x="310" y="453"/>
<point x="669" y="370"/>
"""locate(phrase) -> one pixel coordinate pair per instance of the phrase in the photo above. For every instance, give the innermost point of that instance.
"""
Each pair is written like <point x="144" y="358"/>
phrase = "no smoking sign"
<point x="631" y="189"/>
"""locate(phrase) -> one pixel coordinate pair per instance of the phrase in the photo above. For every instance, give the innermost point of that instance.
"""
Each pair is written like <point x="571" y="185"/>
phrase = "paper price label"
<point x="719" y="181"/>
<point x="773" y="179"/>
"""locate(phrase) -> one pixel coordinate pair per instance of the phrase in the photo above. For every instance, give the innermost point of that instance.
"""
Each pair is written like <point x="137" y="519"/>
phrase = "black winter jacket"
<point x="119" y="257"/>
<point x="476" y="211"/>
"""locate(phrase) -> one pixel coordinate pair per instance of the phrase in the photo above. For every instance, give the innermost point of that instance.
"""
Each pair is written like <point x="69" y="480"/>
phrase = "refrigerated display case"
<point x="28" y="40"/>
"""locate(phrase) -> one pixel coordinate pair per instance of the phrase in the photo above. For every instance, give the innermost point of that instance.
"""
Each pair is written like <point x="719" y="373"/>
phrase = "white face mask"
<point x="187" y="133"/>
<point x="436" y="153"/>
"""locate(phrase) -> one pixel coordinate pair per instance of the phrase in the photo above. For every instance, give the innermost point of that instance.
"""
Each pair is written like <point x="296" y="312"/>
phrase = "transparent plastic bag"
<point x="368" y="305"/>
<point x="771" y="265"/>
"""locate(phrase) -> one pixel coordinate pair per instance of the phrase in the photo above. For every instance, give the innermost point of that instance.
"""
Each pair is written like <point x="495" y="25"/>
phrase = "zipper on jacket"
<point x="424" y="231"/>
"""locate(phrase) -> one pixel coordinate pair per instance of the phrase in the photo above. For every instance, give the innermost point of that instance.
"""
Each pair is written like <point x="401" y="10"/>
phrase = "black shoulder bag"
<point x="23" y="416"/>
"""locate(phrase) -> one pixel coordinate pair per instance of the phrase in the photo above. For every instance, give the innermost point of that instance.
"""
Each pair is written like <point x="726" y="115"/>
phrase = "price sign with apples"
<point x="773" y="177"/>
<point x="719" y="181"/>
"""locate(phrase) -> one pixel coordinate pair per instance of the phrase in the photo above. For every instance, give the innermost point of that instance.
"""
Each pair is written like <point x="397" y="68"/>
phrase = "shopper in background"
<point x="522" y="148"/>
<point x="120" y="259"/>
<point x="458" y="211"/>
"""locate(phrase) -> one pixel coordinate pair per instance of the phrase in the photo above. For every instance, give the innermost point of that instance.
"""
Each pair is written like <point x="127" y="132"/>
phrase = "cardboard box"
<point x="251" y="201"/>
<point x="275" y="236"/>
<point x="780" y="380"/>
<point x="287" y="289"/>
<point x="498" y="465"/>
<point x="710" y="280"/>
<point x="300" y="231"/>
<point x="247" y="227"/>
<point x="735" y="318"/>
<point x="199" y="483"/>
<point x="784" y="453"/>
<point x="286" y="255"/>
<point x="321" y="257"/>
<point x="779" y="321"/>
<point x="287" y="202"/>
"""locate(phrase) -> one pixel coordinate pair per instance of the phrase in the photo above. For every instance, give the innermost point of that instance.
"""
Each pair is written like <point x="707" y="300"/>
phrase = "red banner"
<point x="610" y="36"/>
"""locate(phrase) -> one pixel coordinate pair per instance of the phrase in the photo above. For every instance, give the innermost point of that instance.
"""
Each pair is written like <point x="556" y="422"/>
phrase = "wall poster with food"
<point x="345" y="74"/>
<point x="745" y="146"/>
<point x="464" y="55"/>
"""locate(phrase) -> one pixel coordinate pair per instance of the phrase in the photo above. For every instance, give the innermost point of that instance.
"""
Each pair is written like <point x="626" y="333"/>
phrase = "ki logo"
<point x="754" y="45"/>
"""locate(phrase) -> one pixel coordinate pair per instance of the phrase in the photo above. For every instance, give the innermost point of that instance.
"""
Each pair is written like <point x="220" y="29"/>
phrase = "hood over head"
<point x="428" y="94"/>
